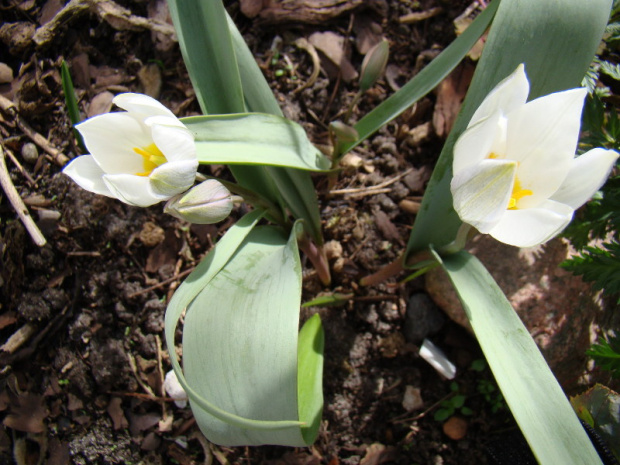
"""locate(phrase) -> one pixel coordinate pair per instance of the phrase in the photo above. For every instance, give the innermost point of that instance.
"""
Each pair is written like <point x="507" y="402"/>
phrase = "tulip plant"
<point x="508" y="169"/>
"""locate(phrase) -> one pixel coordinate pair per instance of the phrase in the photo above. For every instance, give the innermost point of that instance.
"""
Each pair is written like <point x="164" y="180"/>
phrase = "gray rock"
<point x="422" y="319"/>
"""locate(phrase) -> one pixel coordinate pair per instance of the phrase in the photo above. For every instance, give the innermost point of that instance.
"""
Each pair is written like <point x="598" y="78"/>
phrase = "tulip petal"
<point x="87" y="174"/>
<point x="509" y="94"/>
<point x="133" y="190"/>
<point x="481" y="193"/>
<point x="542" y="136"/>
<point x="587" y="174"/>
<point x="111" y="138"/>
<point x="532" y="226"/>
<point x="176" y="143"/>
<point x="475" y="144"/>
<point x="141" y="106"/>
<point x="173" y="178"/>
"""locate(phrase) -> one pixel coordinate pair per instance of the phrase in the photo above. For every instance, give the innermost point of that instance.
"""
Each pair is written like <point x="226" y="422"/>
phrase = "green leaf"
<point x="335" y="299"/>
<point x="533" y="394"/>
<point x="206" y="45"/>
<point x="295" y="187"/>
<point x="425" y="81"/>
<point x="240" y="339"/>
<point x="71" y="102"/>
<point x="599" y="406"/>
<point x="607" y="355"/>
<point x="601" y="266"/>
<point x="556" y="41"/>
<point x="256" y="91"/>
<point x="207" y="48"/>
<point x="443" y="414"/>
<point x="310" y="383"/>
<point x="611" y="69"/>
<point x="254" y="138"/>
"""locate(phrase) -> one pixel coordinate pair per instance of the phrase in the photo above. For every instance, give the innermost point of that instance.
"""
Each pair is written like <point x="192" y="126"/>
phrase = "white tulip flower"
<point x="516" y="176"/>
<point x="141" y="156"/>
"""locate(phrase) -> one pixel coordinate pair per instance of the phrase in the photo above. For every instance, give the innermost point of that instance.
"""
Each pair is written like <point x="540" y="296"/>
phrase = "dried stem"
<point x="18" y="204"/>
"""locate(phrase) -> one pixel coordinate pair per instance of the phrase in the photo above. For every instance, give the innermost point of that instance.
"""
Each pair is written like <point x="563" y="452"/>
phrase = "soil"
<point x="81" y="381"/>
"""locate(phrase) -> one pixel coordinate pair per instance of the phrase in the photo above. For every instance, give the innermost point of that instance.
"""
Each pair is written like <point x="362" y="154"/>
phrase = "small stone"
<point x="30" y="153"/>
<point x="412" y="400"/>
<point x="423" y="318"/>
<point x="455" y="428"/>
<point x="333" y="250"/>
<point x="6" y="73"/>
<point x="151" y="234"/>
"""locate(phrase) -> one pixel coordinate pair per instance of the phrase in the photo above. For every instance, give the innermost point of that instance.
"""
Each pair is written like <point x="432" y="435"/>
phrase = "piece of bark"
<point x="313" y="11"/>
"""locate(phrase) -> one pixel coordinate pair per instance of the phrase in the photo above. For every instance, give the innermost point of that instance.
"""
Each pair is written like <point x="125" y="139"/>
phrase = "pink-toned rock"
<point x="557" y="307"/>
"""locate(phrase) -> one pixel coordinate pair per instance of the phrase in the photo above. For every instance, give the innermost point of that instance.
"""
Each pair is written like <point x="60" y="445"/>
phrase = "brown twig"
<point x="21" y="169"/>
<point x="162" y="283"/>
<point x="55" y="155"/>
<point x="18" y="204"/>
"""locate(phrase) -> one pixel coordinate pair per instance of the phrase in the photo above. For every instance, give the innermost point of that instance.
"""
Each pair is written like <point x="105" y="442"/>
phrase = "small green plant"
<point x="453" y="404"/>
<point x="606" y="355"/>
<point x="487" y="388"/>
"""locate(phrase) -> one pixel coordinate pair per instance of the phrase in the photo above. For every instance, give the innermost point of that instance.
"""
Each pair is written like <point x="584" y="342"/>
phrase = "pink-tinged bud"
<point x="206" y="203"/>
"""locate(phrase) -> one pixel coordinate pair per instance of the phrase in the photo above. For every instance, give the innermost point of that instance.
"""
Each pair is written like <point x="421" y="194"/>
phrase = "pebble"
<point x="412" y="400"/>
<point x="423" y="318"/>
<point x="455" y="428"/>
<point x="30" y="153"/>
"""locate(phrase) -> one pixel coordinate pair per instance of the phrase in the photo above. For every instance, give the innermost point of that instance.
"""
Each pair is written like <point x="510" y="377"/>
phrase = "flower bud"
<point x="206" y="203"/>
<point x="374" y="64"/>
<point x="343" y="132"/>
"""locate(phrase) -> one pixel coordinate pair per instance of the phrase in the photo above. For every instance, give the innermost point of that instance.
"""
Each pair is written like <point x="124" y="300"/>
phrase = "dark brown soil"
<point x="84" y="385"/>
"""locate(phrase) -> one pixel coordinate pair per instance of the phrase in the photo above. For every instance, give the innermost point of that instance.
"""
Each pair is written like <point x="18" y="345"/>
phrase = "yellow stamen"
<point x="153" y="157"/>
<point x="517" y="194"/>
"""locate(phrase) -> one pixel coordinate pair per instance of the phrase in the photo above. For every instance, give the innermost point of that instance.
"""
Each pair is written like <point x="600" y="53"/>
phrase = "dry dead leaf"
<point x="142" y="422"/>
<point x="165" y="253"/>
<point x="368" y="33"/>
<point x="331" y="45"/>
<point x="450" y="95"/>
<point x="150" y="79"/>
<point x="377" y="454"/>
<point x="49" y="10"/>
<point x="80" y="70"/>
<point x="100" y="104"/>
<point x="27" y="413"/>
<point x="158" y="12"/>
<point x="116" y="413"/>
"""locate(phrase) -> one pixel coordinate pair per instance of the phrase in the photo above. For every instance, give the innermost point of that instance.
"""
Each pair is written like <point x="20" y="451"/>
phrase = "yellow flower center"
<point x="517" y="192"/>
<point x="153" y="157"/>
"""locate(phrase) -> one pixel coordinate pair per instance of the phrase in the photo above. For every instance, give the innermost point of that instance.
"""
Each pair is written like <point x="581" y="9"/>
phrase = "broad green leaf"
<point x="256" y="91"/>
<point x="556" y="41"/>
<point x="240" y="340"/>
<point x="534" y="396"/>
<point x="254" y="138"/>
<point x="425" y="81"/>
<point x="310" y="389"/>
<point x="206" y="45"/>
<point x="295" y="187"/>
<point x="599" y="406"/>
<point x="207" y="48"/>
